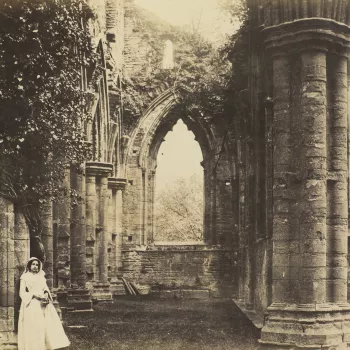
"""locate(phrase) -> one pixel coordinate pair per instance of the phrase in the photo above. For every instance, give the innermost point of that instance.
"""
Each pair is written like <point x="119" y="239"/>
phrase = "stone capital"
<point x="98" y="169"/>
<point x="308" y="33"/>
<point x="117" y="183"/>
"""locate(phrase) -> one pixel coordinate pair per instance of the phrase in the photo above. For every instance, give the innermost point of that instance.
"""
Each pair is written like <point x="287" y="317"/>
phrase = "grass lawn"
<point x="144" y="323"/>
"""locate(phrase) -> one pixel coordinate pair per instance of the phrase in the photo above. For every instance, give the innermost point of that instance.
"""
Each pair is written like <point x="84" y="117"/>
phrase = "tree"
<point x="179" y="211"/>
<point x="43" y="47"/>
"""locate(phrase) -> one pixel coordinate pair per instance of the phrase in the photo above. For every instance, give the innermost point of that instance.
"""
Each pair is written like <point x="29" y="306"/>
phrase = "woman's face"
<point x="34" y="266"/>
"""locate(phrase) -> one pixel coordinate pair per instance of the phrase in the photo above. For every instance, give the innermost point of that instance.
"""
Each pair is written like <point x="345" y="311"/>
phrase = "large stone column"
<point x="101" y="171"/>
<point x="309" y="307"/>
<point x="78" y="296"/>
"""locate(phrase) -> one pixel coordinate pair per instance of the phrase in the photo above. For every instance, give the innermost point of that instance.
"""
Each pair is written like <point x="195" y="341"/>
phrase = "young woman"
<point x="39" y="327"/>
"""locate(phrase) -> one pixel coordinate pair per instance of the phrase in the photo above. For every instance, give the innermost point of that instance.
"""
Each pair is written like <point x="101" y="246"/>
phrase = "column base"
<point x="117" y="287"/>
<point x="101" y="292"/>
<point x="306" y="326"/>
<point x="79" y="299"/>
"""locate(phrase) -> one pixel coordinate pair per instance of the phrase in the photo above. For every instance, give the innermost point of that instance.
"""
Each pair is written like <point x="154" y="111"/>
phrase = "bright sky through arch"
<point x="179" y="156"/>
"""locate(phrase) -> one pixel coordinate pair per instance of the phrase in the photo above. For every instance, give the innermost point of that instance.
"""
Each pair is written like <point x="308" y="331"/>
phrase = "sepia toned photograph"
<point x="174" y="174"/>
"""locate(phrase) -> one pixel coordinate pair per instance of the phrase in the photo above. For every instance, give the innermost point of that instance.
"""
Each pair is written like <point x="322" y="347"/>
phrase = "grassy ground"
<point x="145" y="324"/>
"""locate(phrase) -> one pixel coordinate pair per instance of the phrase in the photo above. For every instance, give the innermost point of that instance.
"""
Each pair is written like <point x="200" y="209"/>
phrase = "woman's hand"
<point x="40" y="296"/>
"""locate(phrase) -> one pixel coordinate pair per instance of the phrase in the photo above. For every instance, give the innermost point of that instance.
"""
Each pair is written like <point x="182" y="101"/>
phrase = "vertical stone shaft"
<point x="82" y="230"/>
<point x="281" y="291"/>
<point x="313" y="204"/>
<point x="6" y="254"/>
<point x="21" y="247"/>
<point x="103" y="261"/>
<point x="47" y="239"/>
<point x="63" y="235"/>
<point x="144" y="208"/>
<point x="78" y="246"/>
<point x="337" y="211"/>
<point x="112" y="230"/>
<point x="91" y="224"/>
<point x="151" y="201"/>
<point x="119" y="228"/>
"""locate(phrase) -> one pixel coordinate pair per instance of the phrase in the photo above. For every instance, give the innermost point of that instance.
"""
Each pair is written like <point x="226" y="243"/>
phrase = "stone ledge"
<point x="117" y="183"/>
<point x="98" y="169"/>
<point x="252" y="316"/>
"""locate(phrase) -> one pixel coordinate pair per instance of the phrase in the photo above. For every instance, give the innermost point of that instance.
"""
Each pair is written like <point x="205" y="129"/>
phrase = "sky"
<point x="203" y="15"/>
<point x="179" y="156"/>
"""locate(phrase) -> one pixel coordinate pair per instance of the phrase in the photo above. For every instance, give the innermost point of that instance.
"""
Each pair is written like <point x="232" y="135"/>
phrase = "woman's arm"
<point x="25" y="295"/>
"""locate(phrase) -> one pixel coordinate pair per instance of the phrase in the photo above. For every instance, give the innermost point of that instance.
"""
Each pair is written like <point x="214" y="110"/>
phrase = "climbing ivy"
<point x="43" y="47"/>
<point x="202" y="76"/>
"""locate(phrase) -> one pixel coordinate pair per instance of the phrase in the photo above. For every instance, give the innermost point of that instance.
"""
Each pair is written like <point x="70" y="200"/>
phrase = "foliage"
<point x="179" y="211"/>
<point x="43" y="45"/>
<point x="202" y="76"/>
<point x="237" y="9"/>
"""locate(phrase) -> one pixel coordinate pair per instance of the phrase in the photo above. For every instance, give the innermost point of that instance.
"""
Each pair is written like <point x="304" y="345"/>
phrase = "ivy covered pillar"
<point x="309" y="307"/>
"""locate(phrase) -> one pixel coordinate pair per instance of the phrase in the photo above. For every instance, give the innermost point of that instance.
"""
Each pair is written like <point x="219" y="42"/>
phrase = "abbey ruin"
<point x="276" y="194"/>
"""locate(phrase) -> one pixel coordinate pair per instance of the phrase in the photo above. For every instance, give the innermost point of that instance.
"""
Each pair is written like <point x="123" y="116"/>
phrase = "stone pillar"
<point x="144" y="216"/>
<point x="78" y="296"/>
<point x="313" y="201"/>
<point x="309" y="307"/>
<point x="22" y="249"/>
<point x="47" y="240"/>
<point x="117" y="185"/>
<point x="337" y="211"/>
<point x="282" y="289"/>
<point x="7" y="277"/>
<point x="63" y="236"/>
<point x="103" y="266"/>
<point x="150" y="211"/>
<point x="101" y="171"/>
<point x="78" y="233"/>
<point x="90" y="225"/>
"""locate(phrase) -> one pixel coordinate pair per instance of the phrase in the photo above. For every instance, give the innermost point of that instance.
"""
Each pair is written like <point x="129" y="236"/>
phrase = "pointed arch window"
<point x="168" y="55"/>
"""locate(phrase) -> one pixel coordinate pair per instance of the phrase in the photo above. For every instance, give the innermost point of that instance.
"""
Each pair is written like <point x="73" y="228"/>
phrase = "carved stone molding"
<point x="98" y="169"/>
<point x="117" y="183"/>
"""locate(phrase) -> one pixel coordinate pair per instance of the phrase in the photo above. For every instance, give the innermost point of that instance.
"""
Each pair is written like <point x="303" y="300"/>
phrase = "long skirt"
<point x="40" y="328"/>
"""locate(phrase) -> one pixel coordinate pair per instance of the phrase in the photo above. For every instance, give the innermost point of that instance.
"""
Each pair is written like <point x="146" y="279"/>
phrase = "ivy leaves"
<point x="42" y="103"/>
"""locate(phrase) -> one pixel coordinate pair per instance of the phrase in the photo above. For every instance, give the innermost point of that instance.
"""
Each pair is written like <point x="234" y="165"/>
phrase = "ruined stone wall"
<point x="14" y="253"/>
<point x="136" y="43"/>
<point x="180" y="267"/>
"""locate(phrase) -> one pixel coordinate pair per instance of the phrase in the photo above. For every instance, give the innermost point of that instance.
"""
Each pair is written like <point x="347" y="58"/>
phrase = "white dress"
<point x="39" y="327"/>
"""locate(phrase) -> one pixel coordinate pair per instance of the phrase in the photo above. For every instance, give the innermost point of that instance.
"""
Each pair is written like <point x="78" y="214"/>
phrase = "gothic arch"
<point x="140" y="166"/>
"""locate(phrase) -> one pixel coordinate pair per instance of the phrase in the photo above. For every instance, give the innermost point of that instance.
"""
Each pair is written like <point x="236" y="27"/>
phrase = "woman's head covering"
<point x="29" y="263"/>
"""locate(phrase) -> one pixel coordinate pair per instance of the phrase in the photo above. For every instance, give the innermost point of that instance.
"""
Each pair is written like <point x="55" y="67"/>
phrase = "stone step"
<point x="80" y="305"/>
<point x="78" y="297"/>
<point x="78" y="292"/>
